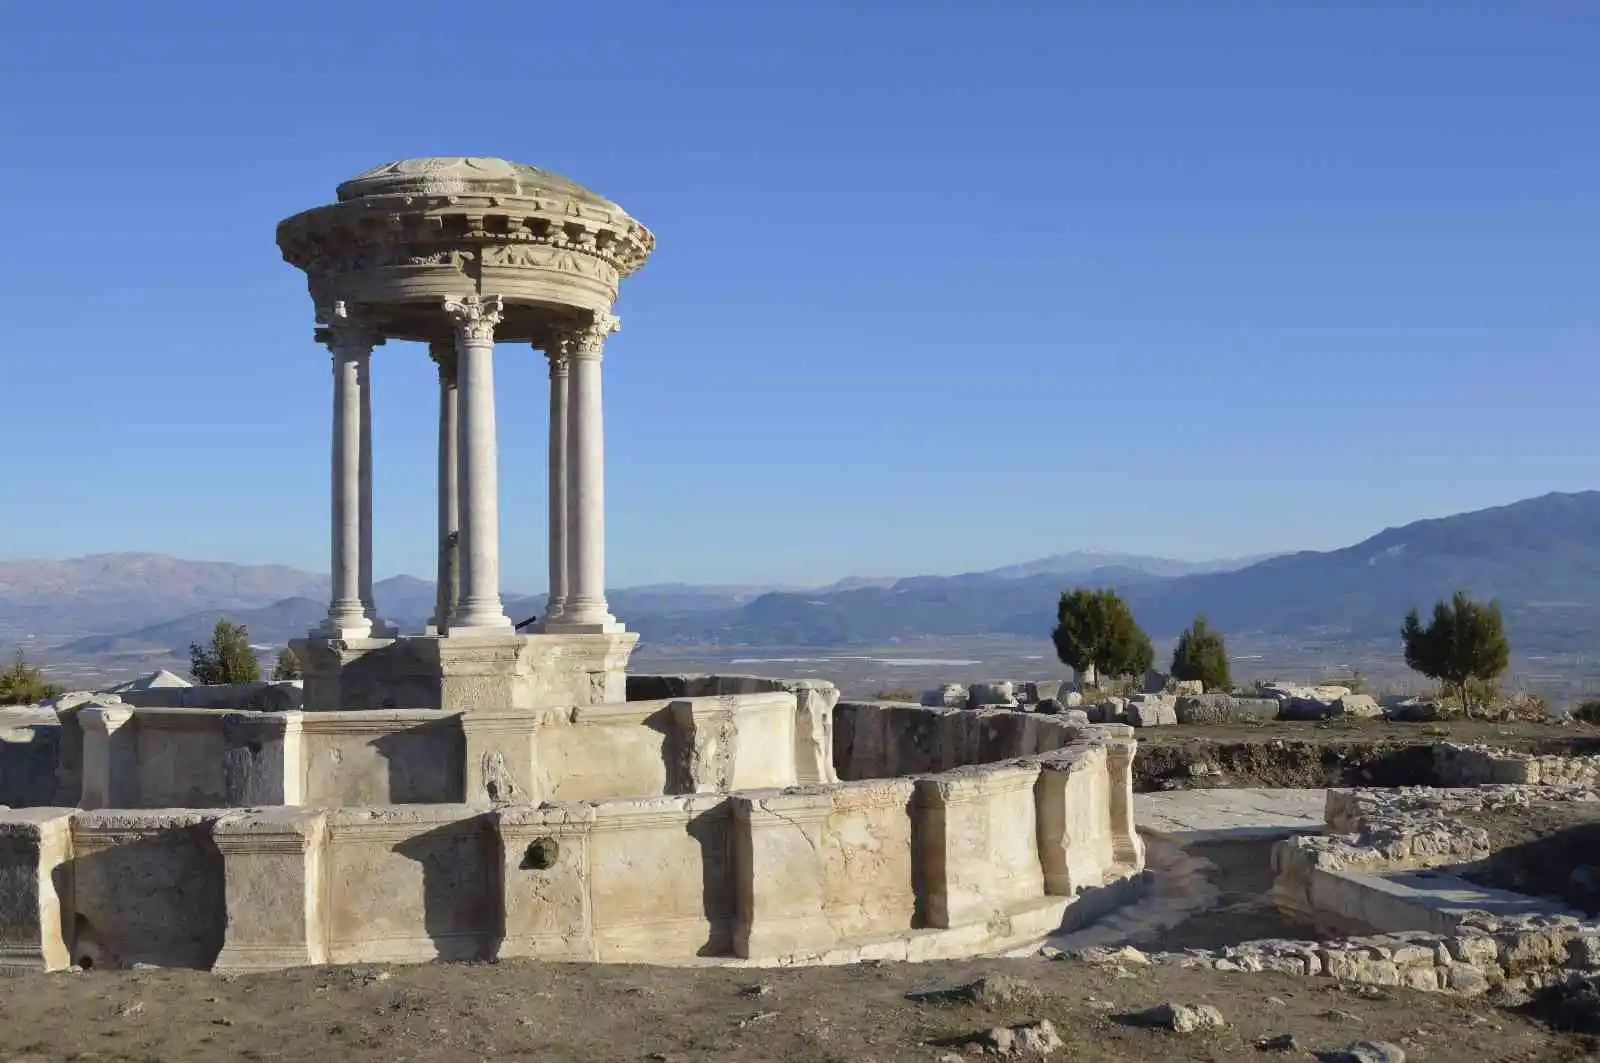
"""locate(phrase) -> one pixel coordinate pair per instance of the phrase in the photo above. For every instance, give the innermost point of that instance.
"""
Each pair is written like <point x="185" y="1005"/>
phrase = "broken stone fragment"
<point x="1183" y="1018"/>
<point x="1024" y="1039"/>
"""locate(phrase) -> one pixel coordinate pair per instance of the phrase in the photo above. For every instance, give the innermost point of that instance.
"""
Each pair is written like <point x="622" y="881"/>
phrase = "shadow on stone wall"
<point x="712" y="831"/>
<point x="426" y="763"/>
<point x="460" y="887"/>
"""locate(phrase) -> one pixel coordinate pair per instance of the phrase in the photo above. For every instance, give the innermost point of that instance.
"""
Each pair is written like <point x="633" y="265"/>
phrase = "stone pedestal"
<point x="975" y="864"/>
<point x="544" y="881"/>
<point x="110" y="758"/>
<point x="272" y="871"/>
<point x="482" y="674"/>
<point x="35" y="889"/>
<point x="779" y="879"/>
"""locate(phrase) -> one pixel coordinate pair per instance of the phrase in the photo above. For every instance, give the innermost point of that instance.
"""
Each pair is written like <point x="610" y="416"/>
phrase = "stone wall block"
<point x="977" y="844"/>
<point x="1072" y="802"/>
<point x="545" y="882"/>
<point x="110" y="758"/>
<point x="36" y="913"/>
<point x="500" y="766"/>
<point x="779" y="874"/>
<point x="272" y="874"/>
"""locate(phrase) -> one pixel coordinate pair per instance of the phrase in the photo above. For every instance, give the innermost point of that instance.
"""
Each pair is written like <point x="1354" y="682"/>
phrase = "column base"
<point x="347" y="630"/>
<point x="567" y="625"/>
<point x="476" y="629"/>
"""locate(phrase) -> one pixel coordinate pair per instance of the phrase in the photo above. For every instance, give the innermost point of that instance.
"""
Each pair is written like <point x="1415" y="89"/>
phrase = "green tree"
<point x="287" y="666"/>
<point x="1464" y="643"/>
<point x="229" y="658"/>
<point x="1202" y="654"/>
<point x="1096" y="629"/>
<point x="22" y="684"/>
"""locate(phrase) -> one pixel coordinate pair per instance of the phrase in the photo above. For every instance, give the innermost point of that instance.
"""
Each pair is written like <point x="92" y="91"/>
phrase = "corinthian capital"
<point x="588" y="341"/>
<point x="559" y="351"/>
<point x="475" y="318"/>
<point x="344" y="329"/>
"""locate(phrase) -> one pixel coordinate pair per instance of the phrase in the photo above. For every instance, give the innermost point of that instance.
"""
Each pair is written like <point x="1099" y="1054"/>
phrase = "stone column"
<point x="479" y="610"/>
<point x="446" y="581"/>
<point x="351" y="345"/>
<point x="558" y="354"/>
<point x="586" y="611"/>
<point x="380" y="629"/>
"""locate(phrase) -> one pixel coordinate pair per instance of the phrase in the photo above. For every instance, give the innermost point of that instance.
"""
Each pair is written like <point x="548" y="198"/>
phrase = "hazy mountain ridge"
<point x="1540" y="557"/>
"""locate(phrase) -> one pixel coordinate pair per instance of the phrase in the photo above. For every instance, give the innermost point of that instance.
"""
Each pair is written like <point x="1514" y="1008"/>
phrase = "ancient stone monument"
<point x="473" y="791"/>
<point x="460" y="254"/>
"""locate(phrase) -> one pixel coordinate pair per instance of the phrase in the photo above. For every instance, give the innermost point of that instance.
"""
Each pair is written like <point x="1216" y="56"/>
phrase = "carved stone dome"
<point x="446" y="175"/>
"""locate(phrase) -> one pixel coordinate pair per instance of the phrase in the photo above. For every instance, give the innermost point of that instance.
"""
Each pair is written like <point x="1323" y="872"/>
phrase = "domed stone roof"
<point x="447" y="175"/>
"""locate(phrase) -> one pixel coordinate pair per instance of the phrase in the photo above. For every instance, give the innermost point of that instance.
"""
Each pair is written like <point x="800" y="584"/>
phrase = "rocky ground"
<point x="529" y="1011"/>
<point x="1343" y="752"/>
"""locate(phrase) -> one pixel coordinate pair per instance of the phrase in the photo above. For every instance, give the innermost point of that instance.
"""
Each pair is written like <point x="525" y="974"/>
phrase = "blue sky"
<point x="939" y="285"/>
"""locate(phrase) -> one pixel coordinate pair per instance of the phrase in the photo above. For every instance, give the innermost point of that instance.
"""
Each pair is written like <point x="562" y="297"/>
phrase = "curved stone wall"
<point x="976" y="858"/>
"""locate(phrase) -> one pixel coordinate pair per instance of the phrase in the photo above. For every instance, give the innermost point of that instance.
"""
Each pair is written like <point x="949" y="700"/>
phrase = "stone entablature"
<point x="980" y="858"/>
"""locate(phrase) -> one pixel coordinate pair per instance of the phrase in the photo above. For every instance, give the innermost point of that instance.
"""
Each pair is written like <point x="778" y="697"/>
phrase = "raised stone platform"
<point x="1230" y="815"/>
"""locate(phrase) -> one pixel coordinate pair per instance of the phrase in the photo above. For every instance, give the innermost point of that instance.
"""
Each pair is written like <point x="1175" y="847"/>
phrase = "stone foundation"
<point x="479" y="675"/>
<point x="954" y="863"/>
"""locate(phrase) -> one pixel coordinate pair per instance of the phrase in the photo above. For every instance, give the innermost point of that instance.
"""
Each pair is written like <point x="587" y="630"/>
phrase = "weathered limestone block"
<point x="381" y="757"/>
<point x="272" y="871"/>
<point x="148" y="887"/>
<point x="594" y="752"/>
<point x="868" y="887"/>
<point x="813" y="731"/>
<point x="1359" y="706"/>
<point x="500" y="758"/>
<point x="407" y="883"/>
<point x="1000" y="692"/>
<point x="1127" y="847"/>
<point x="1108" y="710"/>
<point x="180" y="759"/>
<point x="35" y="889"/>
<point x="1152" y="710"/>
<point x="779" y="873"/>
<point x="1217" y="708"/>
<point x="545" y="882"/>
<point x="860" y="740"/>
<point x="110" y="757"/>
<point x="946" y="696"/>
<point x="708" y="741"/>
<point x="1073" y="798"/>
<point x="1188" y="688"/>
<point x="681" y="847"/>
<point x="978" y="831"/>
<point x="263" y="759"/>
<point x="1042" y="690"/>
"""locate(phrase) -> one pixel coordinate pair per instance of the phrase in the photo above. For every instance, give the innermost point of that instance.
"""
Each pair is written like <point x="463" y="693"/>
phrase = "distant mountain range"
<point x="1540" y="557"/>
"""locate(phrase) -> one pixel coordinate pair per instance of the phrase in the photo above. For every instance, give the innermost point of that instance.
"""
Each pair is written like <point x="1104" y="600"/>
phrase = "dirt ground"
<point x="859" y="1014"/>
<point x="1329" y="753"/>
<point x="1241" y="872"/>
<point x="1549" y="849"/>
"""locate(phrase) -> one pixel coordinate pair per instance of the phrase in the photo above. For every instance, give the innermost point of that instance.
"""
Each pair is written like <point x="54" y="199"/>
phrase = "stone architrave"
<point x="479" y="610"/>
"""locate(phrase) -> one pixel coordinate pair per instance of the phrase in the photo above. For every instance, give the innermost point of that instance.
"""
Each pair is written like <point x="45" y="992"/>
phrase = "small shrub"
<point x="287" y="666"/>
<point x="896" y="695"/>
<point x="1588" y="712"/>
<point x="228" y="659"/>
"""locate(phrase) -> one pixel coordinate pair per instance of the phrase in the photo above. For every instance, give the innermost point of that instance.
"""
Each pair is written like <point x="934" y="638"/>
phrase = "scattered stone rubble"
<point x="1388" y="830"/>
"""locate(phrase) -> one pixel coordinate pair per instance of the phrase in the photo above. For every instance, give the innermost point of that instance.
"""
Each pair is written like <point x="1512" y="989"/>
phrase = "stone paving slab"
<point x="1226" y="815"/>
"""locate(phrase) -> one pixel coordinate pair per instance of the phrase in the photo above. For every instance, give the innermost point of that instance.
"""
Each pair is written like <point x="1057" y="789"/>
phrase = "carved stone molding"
<point x="474" y="316"/>
<point x="345" y="331"/>
<point x="588" y="341"/>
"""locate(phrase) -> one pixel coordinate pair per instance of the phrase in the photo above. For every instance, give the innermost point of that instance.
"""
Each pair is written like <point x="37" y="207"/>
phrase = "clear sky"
<point x="939" y="285"/>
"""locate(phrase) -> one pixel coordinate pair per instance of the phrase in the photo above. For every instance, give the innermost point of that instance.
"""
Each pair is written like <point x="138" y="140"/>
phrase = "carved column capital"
<point x="588" y="341"/>
<point x="559" y="351"/>
<point x="475" y="317"/>
<point x="344" y="329"/>
<point x="444" y="356"/>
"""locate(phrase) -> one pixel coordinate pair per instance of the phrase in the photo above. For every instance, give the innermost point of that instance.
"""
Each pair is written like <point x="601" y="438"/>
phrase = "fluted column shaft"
<point x="351" y="346"/>
<point x="447" y="580"/>
<point x="559" y="365"/>
<point x="479" y="609"/>
<point x="586" y="607"/>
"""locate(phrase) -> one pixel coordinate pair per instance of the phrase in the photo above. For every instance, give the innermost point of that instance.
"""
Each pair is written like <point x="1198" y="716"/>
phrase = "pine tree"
<point x="287" y="666"/>
<point x="229" y="658"/>
<point x="1464" y="642"/>
<point x="1096" y="629"/>
<point x="1202" y="654"/>
<point x="22" y="684"/>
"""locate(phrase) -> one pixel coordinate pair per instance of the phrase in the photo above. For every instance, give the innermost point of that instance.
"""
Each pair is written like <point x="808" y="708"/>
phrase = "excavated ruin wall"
<point x="976" y="858"/>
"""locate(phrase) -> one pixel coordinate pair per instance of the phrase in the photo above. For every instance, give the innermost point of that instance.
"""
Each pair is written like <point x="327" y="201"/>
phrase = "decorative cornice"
<point x="475" y="317"/>
<point x="345" y="330"/>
